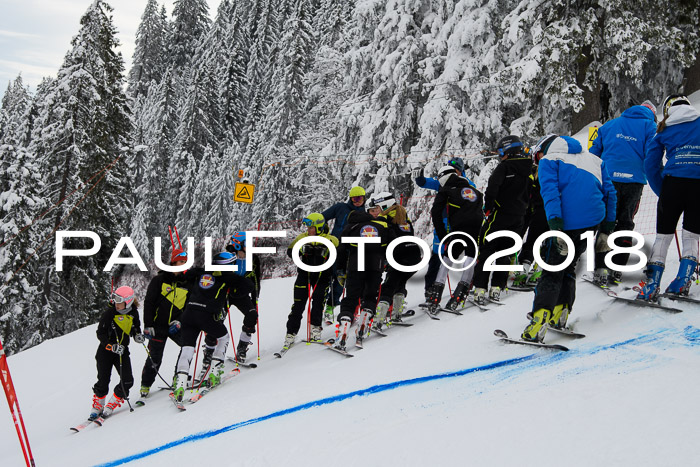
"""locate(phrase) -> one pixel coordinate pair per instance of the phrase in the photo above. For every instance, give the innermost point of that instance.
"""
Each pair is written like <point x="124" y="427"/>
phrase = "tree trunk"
<point x="691" y="77"/>
<point x="591" y="97"/>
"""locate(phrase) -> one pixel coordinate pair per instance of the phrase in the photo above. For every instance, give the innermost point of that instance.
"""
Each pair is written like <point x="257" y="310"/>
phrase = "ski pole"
<point x="257" y="325"/>
<point x="155" y="367"/>
<point x="121" y="381"/>
<point x="196" y="355"/>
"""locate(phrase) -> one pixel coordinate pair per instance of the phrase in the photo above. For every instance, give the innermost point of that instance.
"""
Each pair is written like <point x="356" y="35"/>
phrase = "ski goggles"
<point x="312" y="222"/>
<point x="180" y="257"/>
<point x="119" y="299"/>
<point x="357" y="199"/>
<point x="502" y="151"/>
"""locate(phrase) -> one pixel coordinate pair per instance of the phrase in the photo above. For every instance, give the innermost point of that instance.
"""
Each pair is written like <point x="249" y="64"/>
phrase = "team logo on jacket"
<point x="369" y="231"/>
<point x="405" y="227"/>
<point x="468" y="194"/>
<point x="206" y="281"/>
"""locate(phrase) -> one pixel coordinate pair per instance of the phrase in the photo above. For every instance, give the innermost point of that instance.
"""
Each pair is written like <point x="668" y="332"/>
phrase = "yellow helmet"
<point x="356" y="191"/>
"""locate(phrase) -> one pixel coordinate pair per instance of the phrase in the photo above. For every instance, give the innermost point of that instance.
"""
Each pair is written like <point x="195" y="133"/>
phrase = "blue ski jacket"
<point x="622" y="143"/>
<point x="681" y="141"/>
<point x="575" y="185"/>
<point x="340" y="212"/>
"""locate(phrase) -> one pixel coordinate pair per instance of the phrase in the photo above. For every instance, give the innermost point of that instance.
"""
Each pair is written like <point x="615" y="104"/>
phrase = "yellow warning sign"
<point x="244" y="192"/>
<point x="592" y="135"/>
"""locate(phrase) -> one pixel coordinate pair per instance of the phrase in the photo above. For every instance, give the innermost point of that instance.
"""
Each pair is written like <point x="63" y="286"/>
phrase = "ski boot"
<point x="650" y="288"/>
<point x="315" y="334"/>
<point x="520" y="278"/>
<point x="536" y="330"/>
<point x="328" y="314"/>
<point x="179" y="386"/>
<point x="434" y="296"/>
<point x="341" y="332"/>
<point x="242" y="350"/>
<point x="398" y="303"/>
<point x="289" y="340"/>
<point x="217" y="370"/>
<point x="559" y="317"/>
<point x="98" y="405"/>
<point x="114" y="403"/>
<point x="681" y="284"/>
<point x="600" y="277"/>
<point x="480" y="296"/>
<point x="495" y="294"/>
<point x="615" y="277"/>
<point x="363" y="327"/>
<point x="458" y="297"/>
<point x="144" y="391"/>
<point x="533" y="276"/>
<point x="380" y="316"/>
<point x="206" y="362"/>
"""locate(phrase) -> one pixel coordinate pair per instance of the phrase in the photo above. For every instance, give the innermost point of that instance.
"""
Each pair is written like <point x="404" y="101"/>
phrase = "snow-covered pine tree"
<point x="150" y="51"/>
<point x="190" y="25"/>
<point x="82" y="128"/>
<point x="24" y="319"/>
<point x="15" y="103"/>
<point x="293" y="60"/>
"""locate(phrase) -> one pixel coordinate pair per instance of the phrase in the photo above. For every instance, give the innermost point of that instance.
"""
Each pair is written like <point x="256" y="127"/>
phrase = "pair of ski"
<point x="641" y="303"/>
<point x="203" y="390"/>
<point x="99" y="421"/>
<point x="504" y="338"/>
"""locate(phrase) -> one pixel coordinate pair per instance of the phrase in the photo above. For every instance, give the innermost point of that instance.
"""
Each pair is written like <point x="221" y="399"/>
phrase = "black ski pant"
<point x="536" y="226"/>
<point x="250" y="317"/>
<point x="360" y="285"/>
<point x="395" y="282"/>
<point x="678" y="196"/>
<point x="315" y="283"/>
<point x="432" y="272"/>
<point x="156" y="347"/>
<point x="496" y="223"/>
<point x="105" y="361"/>
<point x="336" y="292"/>
<point x="628" y="197"/>
<point x="559" y="288"/>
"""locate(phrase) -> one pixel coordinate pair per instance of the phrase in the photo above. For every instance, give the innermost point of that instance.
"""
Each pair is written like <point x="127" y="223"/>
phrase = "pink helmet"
<point x="124" y="295"/>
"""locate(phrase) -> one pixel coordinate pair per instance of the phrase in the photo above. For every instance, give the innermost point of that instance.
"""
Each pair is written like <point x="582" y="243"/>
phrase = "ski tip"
<point x="499" y="333"/>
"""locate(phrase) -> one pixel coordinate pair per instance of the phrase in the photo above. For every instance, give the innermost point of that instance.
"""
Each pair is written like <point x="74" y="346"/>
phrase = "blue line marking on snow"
<point x="691" y="335"/>
<point x="328" y="400"/>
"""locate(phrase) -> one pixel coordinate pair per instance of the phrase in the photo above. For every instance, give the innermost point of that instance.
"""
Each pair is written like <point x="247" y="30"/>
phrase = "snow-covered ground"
<point x="439" y="393"/>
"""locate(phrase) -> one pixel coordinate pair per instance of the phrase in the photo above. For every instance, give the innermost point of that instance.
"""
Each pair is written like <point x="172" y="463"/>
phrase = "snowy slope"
<point x="625" y="395"/>
<point x="439" y="393"/>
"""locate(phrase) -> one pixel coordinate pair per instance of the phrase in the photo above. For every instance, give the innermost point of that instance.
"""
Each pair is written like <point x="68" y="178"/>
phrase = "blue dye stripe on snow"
<point x="690" y="334"/>
<point x="328" y="400"/>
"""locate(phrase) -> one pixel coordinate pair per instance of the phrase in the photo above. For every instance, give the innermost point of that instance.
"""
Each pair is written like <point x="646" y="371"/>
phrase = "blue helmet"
<point x="457" y="163"/>
<point x="238" y="241"/>
<point x="224" y="258"/>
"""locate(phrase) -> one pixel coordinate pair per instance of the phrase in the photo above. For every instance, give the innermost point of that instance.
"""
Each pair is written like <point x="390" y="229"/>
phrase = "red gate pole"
<point x="9" y="388"/>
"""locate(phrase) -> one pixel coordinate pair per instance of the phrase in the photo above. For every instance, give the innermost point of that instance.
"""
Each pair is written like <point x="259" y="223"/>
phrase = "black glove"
<point x="607" y="227"/>
<point x="116" y="348"/>
<point x="139" y="338"/>
<point x="556" y="223"/>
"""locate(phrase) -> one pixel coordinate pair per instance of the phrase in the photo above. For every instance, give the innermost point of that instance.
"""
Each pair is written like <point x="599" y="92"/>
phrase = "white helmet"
<point x="383" y="199"/>
<point x="445" y="173"/>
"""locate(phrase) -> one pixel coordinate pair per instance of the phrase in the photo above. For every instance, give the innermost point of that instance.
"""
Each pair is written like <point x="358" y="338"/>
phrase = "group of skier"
<point x="555" y="185"/>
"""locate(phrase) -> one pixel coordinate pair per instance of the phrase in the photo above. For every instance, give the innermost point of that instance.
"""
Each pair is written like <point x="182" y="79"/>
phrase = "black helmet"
<point x="510" y="146"/>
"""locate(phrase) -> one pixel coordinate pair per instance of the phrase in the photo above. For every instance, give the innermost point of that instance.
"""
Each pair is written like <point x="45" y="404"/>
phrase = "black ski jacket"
<point x="464" y="205"/>
<point x="208" y="289"/>
<point x="362" y="224"/>
<point x="508" y="191"/>
<point x="115" y="328"/>
<point x="165" y="299"/>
